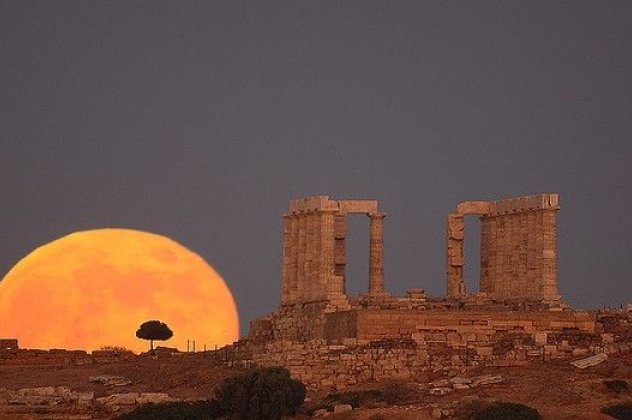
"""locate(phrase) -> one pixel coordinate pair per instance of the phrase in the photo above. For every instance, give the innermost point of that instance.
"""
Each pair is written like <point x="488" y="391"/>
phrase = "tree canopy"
<point x="154" y="330"/>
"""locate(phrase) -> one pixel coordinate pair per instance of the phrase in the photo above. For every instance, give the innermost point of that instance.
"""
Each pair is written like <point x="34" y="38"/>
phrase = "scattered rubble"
<point x="110" y="380"/>
<point x="61" y="399"/>
<point x="116" y="402"/>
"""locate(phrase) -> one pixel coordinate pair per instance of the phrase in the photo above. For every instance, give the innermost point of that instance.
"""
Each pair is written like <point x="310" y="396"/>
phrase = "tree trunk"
<point x="151" y="345"/>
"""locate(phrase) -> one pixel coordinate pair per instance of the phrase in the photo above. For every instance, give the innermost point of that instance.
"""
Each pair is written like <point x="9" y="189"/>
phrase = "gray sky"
<point x="200" y="120"/>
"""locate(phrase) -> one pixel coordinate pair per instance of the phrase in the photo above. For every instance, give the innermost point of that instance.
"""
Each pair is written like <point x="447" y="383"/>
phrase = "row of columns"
<point x="314" y="256"/>
<point x="518" y="248"/>
<point x="518" y="255"/>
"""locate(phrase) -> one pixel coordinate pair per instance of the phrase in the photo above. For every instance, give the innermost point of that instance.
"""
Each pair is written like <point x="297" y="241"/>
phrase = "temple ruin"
<point x="331" y="340"/>
<point x="518" y="248"/>
<point x="518" y="267"/>
<point x="314" y="253"/>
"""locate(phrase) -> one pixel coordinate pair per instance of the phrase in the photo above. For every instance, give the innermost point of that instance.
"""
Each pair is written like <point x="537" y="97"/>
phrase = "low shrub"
<point x="616" y="385"/>
<point x="622" y="411"/>
<point x="499" y="411"/>
<point x="261" y="393"/>
<point x="198" y="410"/>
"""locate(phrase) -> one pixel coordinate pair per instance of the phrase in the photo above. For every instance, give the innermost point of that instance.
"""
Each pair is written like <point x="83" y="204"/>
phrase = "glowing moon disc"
<point x="94" y="288"/>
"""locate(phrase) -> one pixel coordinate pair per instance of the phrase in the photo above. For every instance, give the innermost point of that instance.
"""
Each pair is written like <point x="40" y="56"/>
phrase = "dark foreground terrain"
<point x="557" y="389"/>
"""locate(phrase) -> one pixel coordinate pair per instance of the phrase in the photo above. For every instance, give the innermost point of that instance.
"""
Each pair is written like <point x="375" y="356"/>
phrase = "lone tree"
<point x="154" y="330"/>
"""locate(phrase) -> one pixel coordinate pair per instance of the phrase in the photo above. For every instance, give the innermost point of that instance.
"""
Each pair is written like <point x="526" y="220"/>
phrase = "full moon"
<point x="94" y="288"/>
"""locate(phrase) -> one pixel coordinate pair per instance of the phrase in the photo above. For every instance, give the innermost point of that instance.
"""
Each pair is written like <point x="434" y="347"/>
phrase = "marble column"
<point x="293" y="260"/>
<point x="549" y="256"/>
<point x="301" y="289"/>
<point x="287" y="256"/>
<point x="376" y="253"/>
<point x="327" y="241"/>
<point x="455" y="236"/>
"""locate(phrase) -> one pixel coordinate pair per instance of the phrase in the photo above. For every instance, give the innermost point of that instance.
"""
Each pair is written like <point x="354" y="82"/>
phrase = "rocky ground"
<point x="557" y="389"/>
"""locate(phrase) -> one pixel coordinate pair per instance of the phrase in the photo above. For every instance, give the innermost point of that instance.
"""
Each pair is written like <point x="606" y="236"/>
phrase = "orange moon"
<point x="94" y="288"/>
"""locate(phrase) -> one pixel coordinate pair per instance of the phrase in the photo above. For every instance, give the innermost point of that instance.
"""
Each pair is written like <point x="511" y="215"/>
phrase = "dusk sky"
<point x="201" y="120"/>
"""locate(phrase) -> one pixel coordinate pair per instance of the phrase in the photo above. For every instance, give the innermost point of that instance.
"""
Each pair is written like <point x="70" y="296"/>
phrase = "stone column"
<point x="319" y="286"/>
<point x="376" y="253"/>
<point x="327" y="241"/>
<point x="293" y="260"/>
<point x="549" y="256"/>
<point x="309" y="256"/>
<point x="286" y="264"/>
<point x="532" y="249"/>
<point x="455" y="236"/>
<point x="340" y="255"/>
<point x="300" y="266"/>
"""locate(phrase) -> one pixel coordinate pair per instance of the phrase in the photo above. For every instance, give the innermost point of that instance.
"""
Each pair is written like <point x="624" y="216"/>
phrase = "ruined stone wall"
<point x="381" y="324"/>
<point x="517" y="317"/>
<point x="60" y="357"/>
<point x="298" y="322"/>
<point x="437" y="349"/>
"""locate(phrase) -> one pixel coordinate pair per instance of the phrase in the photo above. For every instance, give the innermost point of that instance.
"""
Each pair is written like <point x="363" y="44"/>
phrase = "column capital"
<point x="378" y="215"/>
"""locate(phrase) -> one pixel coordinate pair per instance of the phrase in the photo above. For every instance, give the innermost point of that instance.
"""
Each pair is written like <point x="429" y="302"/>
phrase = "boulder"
<point x="459" y="380"/>
<point x="45" y="391"/>
<point x="590" y="361"/>
<point x="84" y="399"/>
<point x="436" y="413"/>
<point x="441" y="383"/>
<point x="152" y="397"/>
<point x="487" y="380"/>
<point x="342" y="408"/>
<point x="440" y="391"/>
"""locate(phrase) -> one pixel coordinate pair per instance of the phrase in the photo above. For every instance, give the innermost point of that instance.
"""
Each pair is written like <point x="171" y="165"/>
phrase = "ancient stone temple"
<point x="332" y="340"/>
<point x="518" y="248"/>
<point x="314" y="256"/>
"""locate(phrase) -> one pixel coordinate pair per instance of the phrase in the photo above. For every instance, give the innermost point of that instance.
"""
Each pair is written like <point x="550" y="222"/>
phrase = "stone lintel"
<point x="473" y="207"/>
<point x="324" y="203"/>
<point x="310" y="204"/>
<point x="547" y="201"/>
<point x="358" y="206"/>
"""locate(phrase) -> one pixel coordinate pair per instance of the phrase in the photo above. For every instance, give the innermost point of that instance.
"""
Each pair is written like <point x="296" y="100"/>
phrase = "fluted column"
<point x="340" y="254"/>
<point x="455" y="236"/>
<point x="376" y="253"/>
<point x="287" y="257"/>
<point x="293" y="260"/>
<point x="327" y="251"/>
<point x="301" y="288"/>
<point x="549" y="256"/>
<point x="308" y="275"/>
